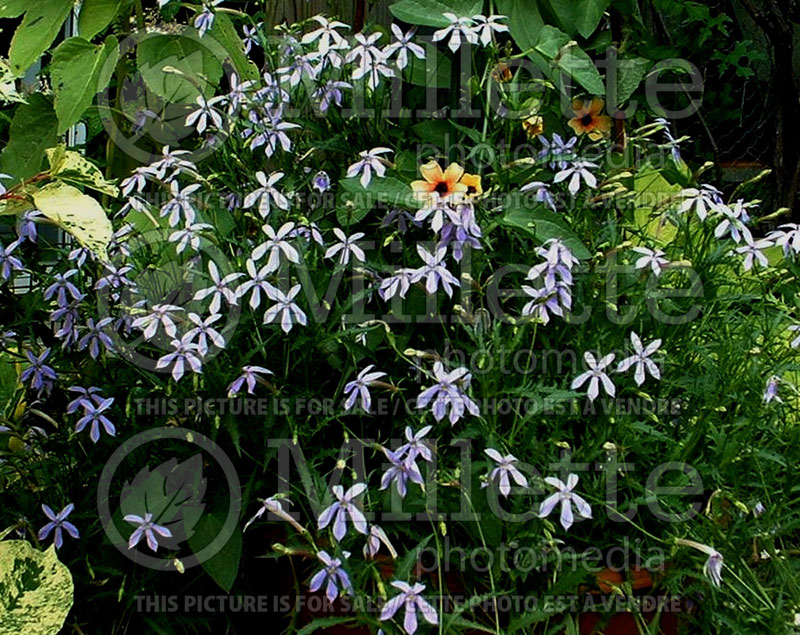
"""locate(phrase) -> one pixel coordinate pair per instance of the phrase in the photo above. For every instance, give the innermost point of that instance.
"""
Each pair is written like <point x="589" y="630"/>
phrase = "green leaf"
<point x="472" y="133"/>
<point x="13" y="8"/>
<point x="36" y="32"/>
<point x="71" y="166"/>
<point x="430" y="12"/>
<point x="433" y="71"/>
<point x="589" y="14"/>
<point x="433" y="131"/>
<point x="523" y="622"/>
<point x="564" y="13"/>
<point x="630" y="9"/>
<point x="524" y="21"/>
<point x="543" y="225"/>
<point x="76" y="213"/>
<point x="358" y="201"/>
<point x="96" y="15"/>
<point x="551" y="41"/>
<point x="410" y="558"/>
<point x="455" y="622"/>
<point x="630" y="73"/>
<point x="652" y="190"/>
<point x="9" y="380"/>
<point x="225" y="34"/>
<point x="223" y="566"/>
<point x="178" y="67"/>
<point x="15" y="207"/>
<point x="36" y="590"/>
<point x="173" y="492"/>
<point x="33" y="129"/>
<point x="80" y="70"/>
<point x="570" y="58"/>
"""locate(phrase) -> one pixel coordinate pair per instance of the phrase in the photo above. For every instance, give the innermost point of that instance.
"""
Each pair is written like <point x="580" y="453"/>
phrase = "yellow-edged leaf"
<point x="69" y="165"/>
<point x="36" y="589"/>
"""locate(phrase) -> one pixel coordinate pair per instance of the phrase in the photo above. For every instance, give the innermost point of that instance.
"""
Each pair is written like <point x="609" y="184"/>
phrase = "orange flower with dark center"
<point x="588" y="119"/>
<point x="473" y="184"/>
<point x="442" y="183"/>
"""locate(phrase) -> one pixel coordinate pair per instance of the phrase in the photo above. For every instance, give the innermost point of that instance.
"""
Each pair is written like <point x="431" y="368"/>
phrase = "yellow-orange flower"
<point x="444" y="183"/>
<point x="533" y="126"/>
<point x="473" y="184"/>
<point x="588" y="119"/>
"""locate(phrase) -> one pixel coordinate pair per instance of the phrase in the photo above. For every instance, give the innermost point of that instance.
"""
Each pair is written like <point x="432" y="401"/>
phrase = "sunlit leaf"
<point x="36" y="590"/>
<point x="76" y="213"/>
